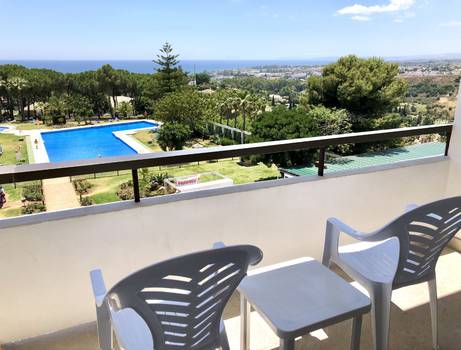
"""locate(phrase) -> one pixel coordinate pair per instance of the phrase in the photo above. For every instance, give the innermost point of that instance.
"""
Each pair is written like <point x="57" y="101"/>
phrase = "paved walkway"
<point x="59" y="194"/>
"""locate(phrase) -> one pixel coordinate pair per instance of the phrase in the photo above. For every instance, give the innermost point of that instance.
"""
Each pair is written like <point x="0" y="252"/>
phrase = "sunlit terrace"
<point x="46" y="299"/>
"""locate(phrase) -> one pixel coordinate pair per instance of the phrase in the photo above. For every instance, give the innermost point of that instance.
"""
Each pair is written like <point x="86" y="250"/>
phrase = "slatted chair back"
<point x="423" y="234"/>
<point x="182" y="299"/>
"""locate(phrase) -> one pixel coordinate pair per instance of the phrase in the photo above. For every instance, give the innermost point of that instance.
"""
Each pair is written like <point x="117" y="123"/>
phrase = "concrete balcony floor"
<point x="410" y="322"/>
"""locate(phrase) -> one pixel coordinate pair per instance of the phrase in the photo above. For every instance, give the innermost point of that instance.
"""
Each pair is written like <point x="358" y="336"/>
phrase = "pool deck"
<point x="38" y="148"/>
<point x="126" y="137"/>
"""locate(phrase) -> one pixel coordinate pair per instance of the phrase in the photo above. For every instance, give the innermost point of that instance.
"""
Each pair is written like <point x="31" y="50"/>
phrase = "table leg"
<point x="245" y="310"/>
<point x="287" y="344"/>
<point x="356" y="332"/>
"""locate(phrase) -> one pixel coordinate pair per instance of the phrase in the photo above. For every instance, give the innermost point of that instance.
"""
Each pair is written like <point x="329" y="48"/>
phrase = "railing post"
<point x="134" y="174"/>
<point x="447" y="145"/>
<point x="321" y="164"/>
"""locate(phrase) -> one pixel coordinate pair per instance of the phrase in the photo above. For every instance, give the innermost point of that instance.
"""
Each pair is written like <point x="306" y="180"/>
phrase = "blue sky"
<point x="228" y="29"/>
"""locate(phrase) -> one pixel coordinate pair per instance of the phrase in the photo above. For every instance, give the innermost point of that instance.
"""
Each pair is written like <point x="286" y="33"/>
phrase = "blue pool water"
<point x="3" y="128"/>
<point x="89" y="142"/>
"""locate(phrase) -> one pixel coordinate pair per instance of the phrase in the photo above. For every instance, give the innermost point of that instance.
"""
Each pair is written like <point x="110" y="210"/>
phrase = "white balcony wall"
<point x="455" y="150"/>
<point x="454" y="181"/>
<point x="44" y="266"/>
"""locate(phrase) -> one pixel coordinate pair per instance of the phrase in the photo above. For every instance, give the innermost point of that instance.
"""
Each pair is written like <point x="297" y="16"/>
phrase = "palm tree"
<point x="250" y="107"/>
<point x="235" y="102"/>
<point x="225" y="110"/>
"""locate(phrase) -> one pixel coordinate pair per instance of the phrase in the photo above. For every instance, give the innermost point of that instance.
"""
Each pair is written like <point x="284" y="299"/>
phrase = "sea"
<point x="146" y="66"/>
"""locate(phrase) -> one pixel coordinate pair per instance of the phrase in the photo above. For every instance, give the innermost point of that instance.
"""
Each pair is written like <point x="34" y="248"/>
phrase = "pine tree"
<point x="170" y="77"/>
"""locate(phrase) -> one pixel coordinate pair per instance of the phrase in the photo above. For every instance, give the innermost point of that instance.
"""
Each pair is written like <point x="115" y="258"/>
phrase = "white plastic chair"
<point x="176" y="304"/>
<point x="402" y="253"/>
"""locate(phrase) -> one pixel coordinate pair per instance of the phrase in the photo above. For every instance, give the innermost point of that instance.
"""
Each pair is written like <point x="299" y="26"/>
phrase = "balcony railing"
<point x="12" y="174"/>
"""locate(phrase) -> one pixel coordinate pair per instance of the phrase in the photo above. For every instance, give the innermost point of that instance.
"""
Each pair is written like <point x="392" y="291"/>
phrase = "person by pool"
<point x="2" y="197"/>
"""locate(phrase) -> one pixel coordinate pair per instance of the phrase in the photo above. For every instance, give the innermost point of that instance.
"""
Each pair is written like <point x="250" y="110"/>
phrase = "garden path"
<point x="59" y="194"/>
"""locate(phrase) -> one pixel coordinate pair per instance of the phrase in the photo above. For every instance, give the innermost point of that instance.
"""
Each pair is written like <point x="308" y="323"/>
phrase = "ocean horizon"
<point x="146" y="66"/>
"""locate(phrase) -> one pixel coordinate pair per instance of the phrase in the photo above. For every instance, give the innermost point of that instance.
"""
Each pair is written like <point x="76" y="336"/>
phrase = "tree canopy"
<point x="187" y="107"/>
<point x="173" y="136"/>
<point x="170" y="77"/>
<point x="283" y="124"/>
<point x="21" y="87"/>
<point x="367" y="87"/>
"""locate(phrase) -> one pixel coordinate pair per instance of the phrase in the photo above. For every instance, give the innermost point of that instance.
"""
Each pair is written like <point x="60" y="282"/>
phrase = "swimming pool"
<point x="90" y="142"/>
<point x="3" y="128"/>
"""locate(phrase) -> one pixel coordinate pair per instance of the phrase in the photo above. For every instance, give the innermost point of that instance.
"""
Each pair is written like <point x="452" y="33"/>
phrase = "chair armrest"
<point x="411" y="207"/>
<point x="218" y="245"/>
<point x="342" y="227"/>
<point x="99" y="287"/>
<point x="333" y="231"/>
<point x="379" y="235"/>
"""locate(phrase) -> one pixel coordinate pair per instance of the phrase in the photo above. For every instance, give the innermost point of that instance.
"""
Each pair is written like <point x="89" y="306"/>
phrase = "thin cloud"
<point x="360" y="12"/>
<point x="451" y="24"/>
<point x="361" y="18"/>
<point x="265" y="11"/>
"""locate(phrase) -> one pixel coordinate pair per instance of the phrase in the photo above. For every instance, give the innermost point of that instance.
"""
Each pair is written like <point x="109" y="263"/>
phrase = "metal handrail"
<point x="18" y="173"/>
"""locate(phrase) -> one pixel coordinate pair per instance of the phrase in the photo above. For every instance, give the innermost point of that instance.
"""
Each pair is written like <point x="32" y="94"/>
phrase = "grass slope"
<point x="105" y="186"/>
<point x="11" y="143"/>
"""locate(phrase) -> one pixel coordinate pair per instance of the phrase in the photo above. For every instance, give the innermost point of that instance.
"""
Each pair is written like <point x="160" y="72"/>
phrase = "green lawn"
<point x="13" y="200"/>
<point x="105" y="186"/>
<point x="198" y="141"/>
<point x="13" y="204"/>
<point x="148" y="139"/>
<point x="10" y="144"/>
<point x="227" y="167"/>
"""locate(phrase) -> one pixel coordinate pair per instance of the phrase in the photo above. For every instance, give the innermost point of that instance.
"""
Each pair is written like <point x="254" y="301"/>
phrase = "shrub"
<point x="156" y="187"/>
<point x="145" y="178"/>
<point x="159" y="178"/>
<point x="32" y="208"/>
<point x="226" y="141"/>
<point x="216" y="139"/>
<point x="82" y="186"/>
<point x="32" y="193"/>
<point x="173" y="136"/>
<point x="86" y="201"/>
<point x="126" y="191"/>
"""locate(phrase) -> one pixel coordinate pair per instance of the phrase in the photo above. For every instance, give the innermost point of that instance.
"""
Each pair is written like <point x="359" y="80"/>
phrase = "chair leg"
<point x="223" y="336"/>
<point x="356" y="332"/>
<point x="105" y="335"/>
<point x="432" y="284"/>
<point x="245" y="315"/>
<point x="380" y="315"/>
<point x="287" y="344"/>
